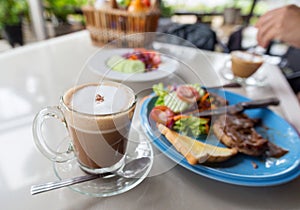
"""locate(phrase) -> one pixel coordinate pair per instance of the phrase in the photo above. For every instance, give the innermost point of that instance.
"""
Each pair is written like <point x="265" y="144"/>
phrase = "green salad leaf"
<point x="191" y="126"/>
<point x="161" y="92"/>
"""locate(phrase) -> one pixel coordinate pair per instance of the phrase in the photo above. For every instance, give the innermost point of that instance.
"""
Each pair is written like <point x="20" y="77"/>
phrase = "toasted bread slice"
<point x="195" y="151"/>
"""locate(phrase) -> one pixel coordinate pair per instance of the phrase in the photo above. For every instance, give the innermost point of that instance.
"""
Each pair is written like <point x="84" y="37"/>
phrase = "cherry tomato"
<point x="187" y="94"/>
<point x="163" y="115"/>
<point x="156" y="59"/>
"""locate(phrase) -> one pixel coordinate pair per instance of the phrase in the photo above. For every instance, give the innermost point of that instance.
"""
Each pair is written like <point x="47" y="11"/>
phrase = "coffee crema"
<point x="99" y="129"/>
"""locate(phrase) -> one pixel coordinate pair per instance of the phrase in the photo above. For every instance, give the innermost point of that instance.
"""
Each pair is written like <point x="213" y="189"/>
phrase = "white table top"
<point x="35" y="76"/>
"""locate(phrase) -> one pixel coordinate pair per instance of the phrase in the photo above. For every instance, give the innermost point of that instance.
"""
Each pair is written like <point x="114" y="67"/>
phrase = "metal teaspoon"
<point x="130" y="170"/>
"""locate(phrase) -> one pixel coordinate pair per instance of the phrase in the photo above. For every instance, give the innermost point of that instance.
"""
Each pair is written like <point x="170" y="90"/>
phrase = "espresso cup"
<point x="98" y="120"/>
<point x="244" y="64"/>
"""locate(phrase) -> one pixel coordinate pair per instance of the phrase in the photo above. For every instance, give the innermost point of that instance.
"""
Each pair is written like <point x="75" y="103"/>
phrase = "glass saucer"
<point x="112" y="184"/>
<point x="257" y="79"/>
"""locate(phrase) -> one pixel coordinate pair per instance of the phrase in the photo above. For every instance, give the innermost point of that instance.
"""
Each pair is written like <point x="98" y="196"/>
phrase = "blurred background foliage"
<point x="62" y="8"/>
<point x="12" y="11"/>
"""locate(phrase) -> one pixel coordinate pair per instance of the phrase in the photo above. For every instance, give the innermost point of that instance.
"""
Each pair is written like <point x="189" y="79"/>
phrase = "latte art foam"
<point x="115" y="99"/>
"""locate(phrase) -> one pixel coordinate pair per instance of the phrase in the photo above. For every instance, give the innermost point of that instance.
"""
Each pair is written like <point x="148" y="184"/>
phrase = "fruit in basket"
<point x="136" y="6"/>
<point x="147" y="3"/>
<point x="123" y="3"/>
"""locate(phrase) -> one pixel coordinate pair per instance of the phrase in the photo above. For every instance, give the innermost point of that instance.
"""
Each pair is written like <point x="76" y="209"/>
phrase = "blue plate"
<point x="239" y="169"/>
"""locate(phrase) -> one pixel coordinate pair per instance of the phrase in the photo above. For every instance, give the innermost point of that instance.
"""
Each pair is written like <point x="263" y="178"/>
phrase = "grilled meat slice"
<point x="238" y="131"/>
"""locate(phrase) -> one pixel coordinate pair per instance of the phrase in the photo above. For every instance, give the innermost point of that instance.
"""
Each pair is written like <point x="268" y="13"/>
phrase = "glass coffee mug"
<point x="241" y="66"/>
<point x="98" y="119"/>
<point x="244" y="64"/>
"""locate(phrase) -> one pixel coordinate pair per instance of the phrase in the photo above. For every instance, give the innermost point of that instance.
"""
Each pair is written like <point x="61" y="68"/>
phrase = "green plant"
<point x="166" y="10"/>
<point x="12" y="11"/>
<point x="62" y="8"/>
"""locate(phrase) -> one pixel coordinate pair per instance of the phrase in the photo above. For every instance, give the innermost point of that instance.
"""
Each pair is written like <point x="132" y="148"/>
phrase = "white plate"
<point x="98" y="65"/>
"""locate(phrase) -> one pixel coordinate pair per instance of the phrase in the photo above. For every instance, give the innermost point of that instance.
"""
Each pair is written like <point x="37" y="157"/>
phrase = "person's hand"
<point x="281" y="24"/>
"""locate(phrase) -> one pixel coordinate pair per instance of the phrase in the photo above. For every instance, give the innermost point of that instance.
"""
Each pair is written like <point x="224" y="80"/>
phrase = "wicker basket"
<point x="108" y="24"/>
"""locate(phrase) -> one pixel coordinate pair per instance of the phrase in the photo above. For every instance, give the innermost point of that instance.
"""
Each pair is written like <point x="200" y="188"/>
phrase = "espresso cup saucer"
<point x="257" y="79"/>
<point x="109" y="184"/>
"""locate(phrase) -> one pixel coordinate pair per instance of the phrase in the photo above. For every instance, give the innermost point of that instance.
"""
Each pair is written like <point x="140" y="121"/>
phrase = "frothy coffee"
<point x="99" y="118"/>
<point x="114" y="99"/>
<point x="245" y="64"/>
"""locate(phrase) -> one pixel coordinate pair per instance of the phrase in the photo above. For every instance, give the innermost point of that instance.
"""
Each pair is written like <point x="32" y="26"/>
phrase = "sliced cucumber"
<point x="198" y="88"/>
<point x="174" y="103"/>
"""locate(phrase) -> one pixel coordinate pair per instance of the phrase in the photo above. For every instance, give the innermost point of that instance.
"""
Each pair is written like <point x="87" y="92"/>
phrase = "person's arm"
<point x="281" y="24"/>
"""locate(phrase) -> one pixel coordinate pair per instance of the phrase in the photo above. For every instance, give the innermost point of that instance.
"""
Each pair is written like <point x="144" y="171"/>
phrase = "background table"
<point x="37" y="75"/>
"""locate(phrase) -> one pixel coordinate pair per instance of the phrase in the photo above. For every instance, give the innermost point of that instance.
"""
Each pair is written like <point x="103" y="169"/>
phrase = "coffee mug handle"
<point x="40" y="141"/>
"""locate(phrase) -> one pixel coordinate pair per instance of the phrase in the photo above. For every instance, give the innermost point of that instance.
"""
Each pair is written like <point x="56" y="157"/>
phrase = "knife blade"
<point x="228" y="85"/>
<point x="239" y="107"/>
